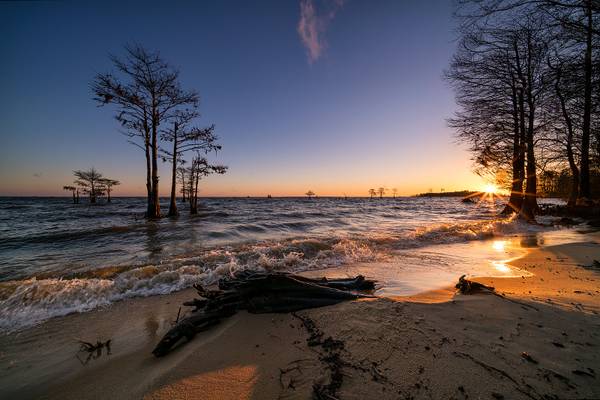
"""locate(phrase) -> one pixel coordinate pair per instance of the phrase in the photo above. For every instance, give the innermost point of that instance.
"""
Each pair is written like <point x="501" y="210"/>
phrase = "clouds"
<point x="313" y="24"/>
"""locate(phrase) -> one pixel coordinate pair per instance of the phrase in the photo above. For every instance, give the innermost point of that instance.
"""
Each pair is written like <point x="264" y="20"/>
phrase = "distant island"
<point x="461" y="193"/>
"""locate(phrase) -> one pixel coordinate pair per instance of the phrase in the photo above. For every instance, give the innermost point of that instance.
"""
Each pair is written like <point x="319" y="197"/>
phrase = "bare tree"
<point x="75" y="192"/>
<point x="107" y="185"/>
<point x="499" y="76"/>
<point x="184" y="139"/>
<point x="372" y="193"/>
<point x="381" y="191"/>
<point x="90" y="181"/>
<point x="146" y="94"/>
<point x="573" y="29"/>
<point x="181" y="175"/>
<point x="199" y="168"/>
<point x="310" y="194"/>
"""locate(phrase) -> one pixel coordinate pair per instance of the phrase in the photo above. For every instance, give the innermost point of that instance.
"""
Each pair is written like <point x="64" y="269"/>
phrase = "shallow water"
<point x="57" y="258"/>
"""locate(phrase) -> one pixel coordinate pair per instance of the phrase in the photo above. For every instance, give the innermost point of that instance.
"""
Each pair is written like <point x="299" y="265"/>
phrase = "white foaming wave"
<point x="30" y="302"/>
<point x="461" y="232"/>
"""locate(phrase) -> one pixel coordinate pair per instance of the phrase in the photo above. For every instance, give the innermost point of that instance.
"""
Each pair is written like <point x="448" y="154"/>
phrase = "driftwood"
<point x="259" y="292"/>
<point x="466" y="286"/>
<point x="93" y="351"/>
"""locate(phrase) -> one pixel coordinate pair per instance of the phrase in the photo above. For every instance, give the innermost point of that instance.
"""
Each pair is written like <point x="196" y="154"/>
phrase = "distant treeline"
<point x="461" y="193"/>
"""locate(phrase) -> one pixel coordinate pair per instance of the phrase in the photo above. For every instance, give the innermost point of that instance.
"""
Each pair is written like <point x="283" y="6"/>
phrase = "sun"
<point x="490" y="188"/>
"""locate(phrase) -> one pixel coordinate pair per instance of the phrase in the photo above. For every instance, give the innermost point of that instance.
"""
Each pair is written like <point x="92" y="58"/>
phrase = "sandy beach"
<point x="537" y="339"/>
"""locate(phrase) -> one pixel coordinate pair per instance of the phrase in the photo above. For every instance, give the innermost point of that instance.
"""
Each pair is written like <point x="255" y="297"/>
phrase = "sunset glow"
<point x="490" y="188"/>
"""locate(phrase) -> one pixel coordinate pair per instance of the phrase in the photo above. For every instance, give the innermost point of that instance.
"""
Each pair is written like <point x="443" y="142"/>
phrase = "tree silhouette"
<point x="310" y="194"/>
<point x="381" y="191"/>
<point x="394" y="192"/>
<point x="372" y="193"/>
<point x="183" y="139"/>
<point x="198" y="169"/>
<point x="75" y="192"/>
<point x="90" y="182"/>
<point x="147" y="94"/>
<point x="107" y="185"/>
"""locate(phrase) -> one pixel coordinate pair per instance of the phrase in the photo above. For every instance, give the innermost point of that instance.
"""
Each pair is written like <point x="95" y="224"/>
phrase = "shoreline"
<point x="392" y="347"/>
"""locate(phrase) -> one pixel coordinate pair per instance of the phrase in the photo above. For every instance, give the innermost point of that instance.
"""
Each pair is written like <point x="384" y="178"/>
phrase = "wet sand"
<point x="542" y="340"/>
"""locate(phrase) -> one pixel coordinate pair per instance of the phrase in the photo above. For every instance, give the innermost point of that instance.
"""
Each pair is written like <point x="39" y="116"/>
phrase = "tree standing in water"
<point x="394" y="192"/>
<point x="107" y="185"/>
<point x="75" y="192"/>
<point x="310" y="194"/>
<point x="147" y="94"/>
<point x="181" y="173"/>
<point x="199" y="168"/>
<point x="90" y="182"/>
<point x="381" y="192"/>
<point x="183" y="139"/>
<point x="372" y="193"/>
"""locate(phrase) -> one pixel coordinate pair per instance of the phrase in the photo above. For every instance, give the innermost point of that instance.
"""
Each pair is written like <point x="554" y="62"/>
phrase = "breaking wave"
<point x="30" y="301"/>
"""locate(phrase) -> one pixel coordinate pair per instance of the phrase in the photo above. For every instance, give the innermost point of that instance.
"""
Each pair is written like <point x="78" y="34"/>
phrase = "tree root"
<point x="259" y="292"/>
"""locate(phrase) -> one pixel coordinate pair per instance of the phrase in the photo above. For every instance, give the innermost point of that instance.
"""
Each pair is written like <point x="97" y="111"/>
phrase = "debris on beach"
<point x="526" y="356"/>
<point x="93" y="351"/>
<point x="466" y="286"/>
<point x="260" y="292"/>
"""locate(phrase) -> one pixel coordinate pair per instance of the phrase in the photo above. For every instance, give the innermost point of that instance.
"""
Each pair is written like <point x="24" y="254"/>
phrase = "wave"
<point x="28" y="302"/>
<point x="65" y="236"/>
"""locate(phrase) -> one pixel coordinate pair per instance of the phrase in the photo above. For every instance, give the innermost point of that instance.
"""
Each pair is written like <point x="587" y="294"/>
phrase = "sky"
<point x="334" y="96"/>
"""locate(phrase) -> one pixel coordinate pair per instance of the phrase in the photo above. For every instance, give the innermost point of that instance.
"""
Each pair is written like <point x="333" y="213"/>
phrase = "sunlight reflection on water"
<point x="414" y="271"/>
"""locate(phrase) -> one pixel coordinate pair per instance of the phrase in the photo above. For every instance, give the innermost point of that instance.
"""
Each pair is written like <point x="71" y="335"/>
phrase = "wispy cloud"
<point x="313" y="24"/>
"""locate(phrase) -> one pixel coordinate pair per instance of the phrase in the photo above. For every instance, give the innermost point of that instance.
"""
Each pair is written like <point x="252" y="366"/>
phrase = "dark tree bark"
<point x="173" y="203"/>
<point x="515" y="201"/>
<point x="149" y="97"/>
<point x="574" y="193"/>
<point x="584" y="170"/>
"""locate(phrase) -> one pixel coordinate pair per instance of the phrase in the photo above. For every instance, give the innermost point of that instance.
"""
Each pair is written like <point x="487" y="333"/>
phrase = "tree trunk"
<point x="569" y="123"/>
<point x="108" y="195"/>
<point x="74" y="199"/>
<point x="155" y="211"/>
<point x="93" y="194"/>
<point x="584" y="169"/>
<point x="77" y="196"/>
<point x="172" y="204"/>
<point x="516" y="192"/>
<point x="530" y="207"/>
<point x="150" y="207"/>
<point x="196" y="195"/>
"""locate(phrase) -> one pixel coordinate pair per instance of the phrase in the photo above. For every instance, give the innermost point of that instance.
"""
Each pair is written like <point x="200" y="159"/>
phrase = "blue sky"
<point x="366" y="108"/>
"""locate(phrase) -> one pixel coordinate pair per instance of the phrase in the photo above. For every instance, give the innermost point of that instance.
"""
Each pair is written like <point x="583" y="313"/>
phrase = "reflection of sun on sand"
<point x="235" y="382"/>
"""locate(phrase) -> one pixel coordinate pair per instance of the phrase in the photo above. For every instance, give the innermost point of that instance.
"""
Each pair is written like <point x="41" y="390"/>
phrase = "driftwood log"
<point x="259" y="292"/>
<point x="466" y="286"/>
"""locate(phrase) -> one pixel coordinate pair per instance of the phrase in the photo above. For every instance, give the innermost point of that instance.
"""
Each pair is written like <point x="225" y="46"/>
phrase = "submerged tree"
<point x="75" y="192"/>
<point x="310" y="194"/>
<point x="147" y="94"/>
<point x="372" y="193"/>
<point x="107" y="185"/>
<point x="90" y="181"/>
<point x="181" y="174"/>
<point x="394" y="192"/>
<point x="381" y="191"/>
<point x="199" y="168"/>
<point x="184" y="138"/>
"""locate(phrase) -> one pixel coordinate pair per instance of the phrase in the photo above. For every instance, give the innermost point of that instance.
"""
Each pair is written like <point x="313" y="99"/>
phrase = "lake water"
<point x="57" y="257"/>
